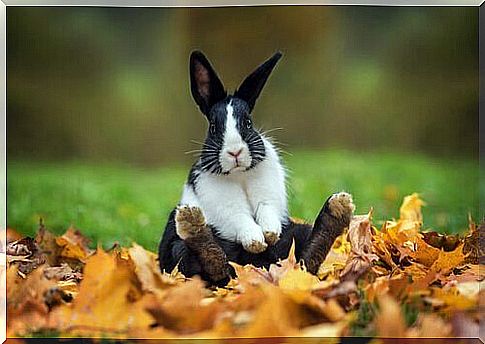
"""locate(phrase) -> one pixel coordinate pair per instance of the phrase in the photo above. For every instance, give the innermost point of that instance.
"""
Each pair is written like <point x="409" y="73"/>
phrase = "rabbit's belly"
<point x="226" y="208"/>
<point x="227" y="204"/>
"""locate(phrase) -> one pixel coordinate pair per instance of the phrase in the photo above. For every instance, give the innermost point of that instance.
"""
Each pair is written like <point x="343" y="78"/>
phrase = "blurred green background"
<point x="379" y="101"/>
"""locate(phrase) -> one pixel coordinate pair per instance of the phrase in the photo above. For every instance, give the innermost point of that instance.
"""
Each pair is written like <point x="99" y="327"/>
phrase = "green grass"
<point x="120" y="203"/>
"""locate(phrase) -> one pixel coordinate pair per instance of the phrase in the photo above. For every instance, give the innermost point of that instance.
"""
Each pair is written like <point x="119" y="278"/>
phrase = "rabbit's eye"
<point x="249" y="124"/>
<point x="212" y="128"/>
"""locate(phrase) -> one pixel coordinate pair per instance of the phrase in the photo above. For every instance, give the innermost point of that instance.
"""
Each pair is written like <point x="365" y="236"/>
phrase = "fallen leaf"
<point x="411" y="208"/>
<point x="430" y="326"/>
<point x="389" y="321"/>
<point x="148" y="273"/>
<point x="183" y="310"/>
<point x="26" y="308"/>
<point x="74" y="245"/>
<point x="474" y="245"/>
<point x="25" y="254"/>
<point x="108" y="301"/>
<point x="446" y="261"/>
<point x="361" y="256"/>
<point x="397" y="272"/>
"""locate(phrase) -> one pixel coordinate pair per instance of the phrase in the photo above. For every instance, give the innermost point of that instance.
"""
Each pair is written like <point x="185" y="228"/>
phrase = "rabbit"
<point x="234" y="204"/>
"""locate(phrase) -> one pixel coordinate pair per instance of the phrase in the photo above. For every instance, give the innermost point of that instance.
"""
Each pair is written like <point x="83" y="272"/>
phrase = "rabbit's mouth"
<point x="238" y="168"/>
<point x="236" y="165"/>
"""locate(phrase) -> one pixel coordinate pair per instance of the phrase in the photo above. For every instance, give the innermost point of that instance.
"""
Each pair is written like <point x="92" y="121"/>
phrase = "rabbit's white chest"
<point x="223" y="193"/>
<point x="239" y="204"/>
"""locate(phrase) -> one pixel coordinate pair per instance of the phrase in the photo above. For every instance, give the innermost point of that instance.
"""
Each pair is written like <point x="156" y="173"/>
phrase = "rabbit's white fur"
<point x="233" y="142"/>
<point x="242" y="205"/>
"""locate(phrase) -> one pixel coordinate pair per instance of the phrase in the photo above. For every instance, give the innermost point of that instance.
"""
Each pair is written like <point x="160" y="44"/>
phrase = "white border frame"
<point x="231" y="3"/>
<point x="180" y="3"/>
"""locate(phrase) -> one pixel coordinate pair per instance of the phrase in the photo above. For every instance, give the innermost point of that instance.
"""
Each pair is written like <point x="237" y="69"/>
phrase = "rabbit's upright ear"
<point x="254" y="83"/>
<point x="205" y="85"/>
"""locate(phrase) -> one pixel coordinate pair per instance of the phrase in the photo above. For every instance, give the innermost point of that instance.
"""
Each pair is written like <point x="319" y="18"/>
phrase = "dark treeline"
<point x="112" y="83"/>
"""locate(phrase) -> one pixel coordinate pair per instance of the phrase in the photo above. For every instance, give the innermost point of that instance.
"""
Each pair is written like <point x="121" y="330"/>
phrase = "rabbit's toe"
<point x="271" y="237"/>
<point x="256" y="246"/>
<point x="341" y="205"/>
<point x="253" y="240"/>
<point x="189" y="221"/>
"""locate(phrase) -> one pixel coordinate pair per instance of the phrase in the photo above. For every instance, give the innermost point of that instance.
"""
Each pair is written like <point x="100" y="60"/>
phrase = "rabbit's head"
<point x="232" y="143"/>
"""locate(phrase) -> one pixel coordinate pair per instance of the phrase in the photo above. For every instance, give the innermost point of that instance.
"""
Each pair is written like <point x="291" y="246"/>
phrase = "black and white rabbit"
<point x="234" y="204"/>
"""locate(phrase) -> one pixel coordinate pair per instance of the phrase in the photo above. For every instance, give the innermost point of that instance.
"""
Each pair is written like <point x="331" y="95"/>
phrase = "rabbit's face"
<point x="232" y="143"/>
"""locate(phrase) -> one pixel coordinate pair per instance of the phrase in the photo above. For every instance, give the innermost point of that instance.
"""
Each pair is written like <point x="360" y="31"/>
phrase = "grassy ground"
<point x="125" y="204"/>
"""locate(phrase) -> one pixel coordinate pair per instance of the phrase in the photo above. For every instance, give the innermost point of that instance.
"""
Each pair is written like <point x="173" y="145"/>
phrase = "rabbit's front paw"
<point x="271" y="231"/>
<point x="253" y="240"/>
<point x="341" y="205"/>
<point x="189" y="221"/>
<point x="269" y="221"/>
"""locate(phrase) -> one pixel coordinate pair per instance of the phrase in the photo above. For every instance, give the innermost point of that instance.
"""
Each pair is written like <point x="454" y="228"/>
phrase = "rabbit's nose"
<point x="235" y="154"/>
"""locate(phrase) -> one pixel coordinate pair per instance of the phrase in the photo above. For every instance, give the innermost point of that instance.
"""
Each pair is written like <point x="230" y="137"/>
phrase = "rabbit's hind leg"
<point x="191" y="227"/>
<point x="334" y="217"/>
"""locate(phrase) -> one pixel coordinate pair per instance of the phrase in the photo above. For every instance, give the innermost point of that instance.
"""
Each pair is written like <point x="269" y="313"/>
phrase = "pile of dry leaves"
<point x="394" y="281"/>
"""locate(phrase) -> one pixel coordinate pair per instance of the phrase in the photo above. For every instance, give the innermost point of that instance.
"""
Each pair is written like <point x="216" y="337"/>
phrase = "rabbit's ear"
<point x="205" y="85"/>
<point x="254" y="83"/>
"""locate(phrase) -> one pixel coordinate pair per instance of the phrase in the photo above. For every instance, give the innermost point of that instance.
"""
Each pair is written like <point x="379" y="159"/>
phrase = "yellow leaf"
<point x="336" y="259"/>
<point x="411" y="208"/>
<point x="452" y="299"/>
<point x="73" y="245"/>
<point x="277" y="315"/>
<point x="147" y="270"/>
<point x="446" y="261"/>
<point x="185" y="309"/>
<point x="298" y="283"/>
<point x="26" y="309"/>
<point x="424" y="253"/>
<point x="298" y="279"/>
<point x="108" y="300"/>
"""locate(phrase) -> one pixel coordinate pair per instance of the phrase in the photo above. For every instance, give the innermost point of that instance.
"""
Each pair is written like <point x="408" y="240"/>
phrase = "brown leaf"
<point x="62" y="273"/>
<point x="475" y="244"/>
<point x="441" y="241"/>
<point x="361" y="256"/>
<point x="25" y="254"/>
<point x="46" y="241"/>
<point x="389" y="321"/>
